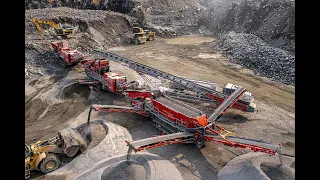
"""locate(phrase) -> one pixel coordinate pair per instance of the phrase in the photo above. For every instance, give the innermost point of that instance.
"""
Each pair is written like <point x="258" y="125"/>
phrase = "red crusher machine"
<point x="69" y="55"/>
<point x="181" y="122"/>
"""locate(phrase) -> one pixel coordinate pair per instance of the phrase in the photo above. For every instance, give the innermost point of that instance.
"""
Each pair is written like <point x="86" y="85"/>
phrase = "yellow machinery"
<point x="63" y="32"/>
<point x="41" y="155"/>
<point x="141" y="36"/>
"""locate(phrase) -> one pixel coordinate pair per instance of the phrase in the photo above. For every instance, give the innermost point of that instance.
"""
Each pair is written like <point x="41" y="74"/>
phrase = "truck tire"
<point x="150" y="38"/>
<point x="49" y="163"/>
<point x="136" y="41"/>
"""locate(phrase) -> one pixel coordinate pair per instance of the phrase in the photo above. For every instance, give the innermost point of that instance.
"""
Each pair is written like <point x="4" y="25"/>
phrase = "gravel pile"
<point x="141" y="166"/>
<point x="112" y="144"/>
<point x="257" y="165"/>
<point x="272" y="20"/>
<point x="106" y="157"/>
<point x="40" y="59"/>
<point x="252" y="52"/>
<point x="84" y="15"/>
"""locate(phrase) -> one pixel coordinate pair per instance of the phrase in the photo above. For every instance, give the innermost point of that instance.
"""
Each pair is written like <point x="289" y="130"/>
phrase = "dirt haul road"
<point x="190" y="57"/>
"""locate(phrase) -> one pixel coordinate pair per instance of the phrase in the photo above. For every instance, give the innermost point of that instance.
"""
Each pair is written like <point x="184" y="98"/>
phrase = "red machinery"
<point x="183" y="123"/>
<point x="199" y="90"/>
<point x="69" y="56"/>
<point x="98" y="73"/>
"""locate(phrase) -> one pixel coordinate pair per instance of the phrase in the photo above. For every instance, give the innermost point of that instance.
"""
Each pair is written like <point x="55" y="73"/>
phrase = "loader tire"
<point x="150" y="38"/>
<point x="49" y="163"/>
<point x="136" y="41"/>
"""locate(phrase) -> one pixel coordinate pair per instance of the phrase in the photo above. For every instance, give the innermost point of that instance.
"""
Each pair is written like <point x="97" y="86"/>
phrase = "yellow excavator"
<point x="42" y="155"/>
<point x="62" y="32"/>
<point x="141" y="36"/>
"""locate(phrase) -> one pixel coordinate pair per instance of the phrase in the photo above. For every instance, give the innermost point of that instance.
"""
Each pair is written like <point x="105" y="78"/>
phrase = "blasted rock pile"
<point x="252" y="52"/>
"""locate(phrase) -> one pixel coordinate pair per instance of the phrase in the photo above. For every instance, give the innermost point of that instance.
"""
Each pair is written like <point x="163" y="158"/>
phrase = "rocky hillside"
<point x="94" y="30"/>
<point x="271" y="20"/>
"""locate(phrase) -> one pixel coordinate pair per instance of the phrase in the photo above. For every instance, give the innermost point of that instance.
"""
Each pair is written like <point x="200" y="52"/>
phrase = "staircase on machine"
<point x="27" y="171"/>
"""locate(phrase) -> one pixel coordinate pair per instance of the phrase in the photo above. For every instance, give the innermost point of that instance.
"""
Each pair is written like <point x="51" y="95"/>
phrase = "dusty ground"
<point x="51" y="106"/>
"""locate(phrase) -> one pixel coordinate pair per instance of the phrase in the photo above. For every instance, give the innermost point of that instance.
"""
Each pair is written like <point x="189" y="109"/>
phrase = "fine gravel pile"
<point x="112" y="144"/>
<point x="252" y="52"/>
<point x="106" y="157"/>
<point x="257" y="166"/>
<point x="141" y="166"/>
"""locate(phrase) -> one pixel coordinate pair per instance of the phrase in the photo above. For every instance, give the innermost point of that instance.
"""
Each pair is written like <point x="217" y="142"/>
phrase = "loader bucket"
<point x="72" y="142"/>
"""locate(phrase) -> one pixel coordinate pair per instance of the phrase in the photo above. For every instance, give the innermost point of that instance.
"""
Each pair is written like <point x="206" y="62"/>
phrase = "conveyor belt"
<point x="112" y="107"/>
<point x="143" y="142"/>
<point x="190" y="85"/>
<point x="226" y="104"/>
<point x="271" y="146"/>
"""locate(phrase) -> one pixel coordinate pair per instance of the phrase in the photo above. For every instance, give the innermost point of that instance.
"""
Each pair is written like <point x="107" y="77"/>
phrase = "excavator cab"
<point x="59" y="31"/>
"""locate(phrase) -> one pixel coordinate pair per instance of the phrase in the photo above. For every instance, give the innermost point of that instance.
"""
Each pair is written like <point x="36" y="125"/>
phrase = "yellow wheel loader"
<point x="42" y="155"/>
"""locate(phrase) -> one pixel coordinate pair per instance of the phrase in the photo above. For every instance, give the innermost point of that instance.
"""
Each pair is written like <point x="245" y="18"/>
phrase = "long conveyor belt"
<point x="227" y="104"/>
<point x="190" y="85"/>
<point x="152" y="140"/>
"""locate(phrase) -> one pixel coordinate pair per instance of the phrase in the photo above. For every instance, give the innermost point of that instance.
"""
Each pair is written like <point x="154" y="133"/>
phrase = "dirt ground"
<point x="53" y="104"/>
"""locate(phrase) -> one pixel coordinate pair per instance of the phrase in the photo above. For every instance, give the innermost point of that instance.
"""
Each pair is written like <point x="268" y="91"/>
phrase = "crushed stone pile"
<point x="272" y="20"/>
<point x="106" y="157"/>
<point x="141" y="166"/>
<point x="112" y="144"/>
<point x="40" y="59"/>
<point x="256" y="165"/>
<point x="252" y="52"/>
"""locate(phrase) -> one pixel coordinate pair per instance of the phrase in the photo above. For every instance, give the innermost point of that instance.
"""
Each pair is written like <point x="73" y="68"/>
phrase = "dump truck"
<point x="141" y="36"/>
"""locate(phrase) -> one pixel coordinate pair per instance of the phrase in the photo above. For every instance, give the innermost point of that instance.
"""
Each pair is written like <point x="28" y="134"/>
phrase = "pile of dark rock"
<point x="252" y="52"/>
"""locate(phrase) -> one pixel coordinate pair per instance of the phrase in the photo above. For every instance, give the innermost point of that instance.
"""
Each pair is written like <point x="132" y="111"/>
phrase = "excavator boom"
<point x="59" y="31"/>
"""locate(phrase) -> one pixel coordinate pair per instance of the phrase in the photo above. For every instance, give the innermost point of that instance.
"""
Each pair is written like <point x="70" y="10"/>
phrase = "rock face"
<point x="252" y="52"/>
<point x="262" y="27"/>
<point x="123" y="6"/>
<point x="94" y="30"/>
<point x="272" y="20"/>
